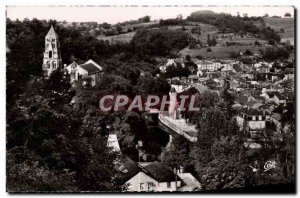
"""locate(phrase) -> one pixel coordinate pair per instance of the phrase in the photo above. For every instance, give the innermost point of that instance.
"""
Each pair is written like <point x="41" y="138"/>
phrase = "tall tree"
<point x="48" y="138"/>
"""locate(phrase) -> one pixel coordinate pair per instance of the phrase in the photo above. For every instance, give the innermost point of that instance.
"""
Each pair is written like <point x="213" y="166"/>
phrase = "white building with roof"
<point x="89" y="69"/>
<point x="208" y="65"/>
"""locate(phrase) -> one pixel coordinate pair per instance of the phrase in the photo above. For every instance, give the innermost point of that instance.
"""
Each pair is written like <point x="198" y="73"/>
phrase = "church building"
<point x="52" y="61"/>
<point x="52" y="57"/>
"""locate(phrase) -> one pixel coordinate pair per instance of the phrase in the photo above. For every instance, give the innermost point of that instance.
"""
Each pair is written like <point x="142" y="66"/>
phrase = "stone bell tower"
<point x="52" y="57"/>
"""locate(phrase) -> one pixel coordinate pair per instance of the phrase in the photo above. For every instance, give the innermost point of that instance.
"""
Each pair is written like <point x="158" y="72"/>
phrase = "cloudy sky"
<point x="119" y="14"/>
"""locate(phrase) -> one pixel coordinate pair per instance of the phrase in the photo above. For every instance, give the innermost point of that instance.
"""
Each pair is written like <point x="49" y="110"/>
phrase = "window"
<point x="54" y="65"/>
<point x="48" y="65"/>
<point x="169" y="185"/>
<point x="141" y="186"/>
<point x="150" y="186"/>
<point x="50" y="54"/>
<point x="53" y="45"/>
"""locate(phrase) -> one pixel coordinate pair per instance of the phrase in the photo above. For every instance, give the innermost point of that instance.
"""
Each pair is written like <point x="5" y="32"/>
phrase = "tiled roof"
<point x="129" y="168"/>
<point x="237" y="68"/>
<point x="242" y="99"/>
<point x="254" y="103"/>
<point x="90" y="68"/>
<point x="193" y="76"/>
<point x="251" y="111"/>
<point x="288" y="71"/>
<point x="161" y="172"/>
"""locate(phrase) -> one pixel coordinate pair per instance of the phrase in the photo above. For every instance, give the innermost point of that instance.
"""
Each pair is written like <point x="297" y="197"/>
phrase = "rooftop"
<point x="237" y="68"/>
<point x="251" y="111"/>
<point x="129" y="168"/>
<point x="90" y="68"/>
<point x="52" y="33"/>
<point x="161" y="172"/>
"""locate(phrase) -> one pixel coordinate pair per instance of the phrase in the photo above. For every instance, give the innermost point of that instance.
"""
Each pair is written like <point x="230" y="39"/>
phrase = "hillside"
<point x="126" y="37"/>
<point x="219" y="52"/>
<point x="128" y="31"/>
<point x="287" y="24"/>
<point x="205" y="26"/>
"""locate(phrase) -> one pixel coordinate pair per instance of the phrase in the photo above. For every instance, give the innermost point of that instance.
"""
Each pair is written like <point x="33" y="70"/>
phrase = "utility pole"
<point x="138" y="146"/>
<point x="175" y="171"/>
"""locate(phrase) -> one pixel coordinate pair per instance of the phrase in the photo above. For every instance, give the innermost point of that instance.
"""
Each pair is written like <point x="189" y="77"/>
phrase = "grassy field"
<point x="126" y="37"/>
<point x="131" y="26"/>
<point x="218" y="52"/>
<point x="118" y="38"/>
<point x="286" y="23"/>
<point x="213" y="31"/>
<point x="246" y="41"/>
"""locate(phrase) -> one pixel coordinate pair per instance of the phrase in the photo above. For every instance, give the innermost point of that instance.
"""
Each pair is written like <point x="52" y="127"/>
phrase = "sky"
<point x="117" y="14"/>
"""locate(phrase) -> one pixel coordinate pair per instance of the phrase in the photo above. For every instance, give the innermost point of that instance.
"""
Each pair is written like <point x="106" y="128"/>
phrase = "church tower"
<point x="52" y="58"/>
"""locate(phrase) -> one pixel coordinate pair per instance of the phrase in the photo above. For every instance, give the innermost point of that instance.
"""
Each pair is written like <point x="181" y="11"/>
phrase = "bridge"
<point x="172" y="126"/>
<point x="179" y="126"/>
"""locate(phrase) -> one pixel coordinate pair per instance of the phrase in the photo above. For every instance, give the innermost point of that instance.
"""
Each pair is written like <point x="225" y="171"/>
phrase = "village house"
<point x="207" y="65"/>
<point x="237" y="68"/>
<point x="278" y="98"/>
<point x="276" y="118"/>
<point x="253" y="120"/>
<point x="90" y="69"/>
<point x="193" y="78"/>
<point x="248" y="75"/>
<point x="260" y="64"/>
<point x="151" y="177"/>
<point x="171" y="63"/>
<point x="268" y="95"/>
<point x="288" y="74"/>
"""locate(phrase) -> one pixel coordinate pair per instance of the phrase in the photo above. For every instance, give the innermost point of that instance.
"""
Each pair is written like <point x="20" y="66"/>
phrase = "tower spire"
<point x="52" y="57"/>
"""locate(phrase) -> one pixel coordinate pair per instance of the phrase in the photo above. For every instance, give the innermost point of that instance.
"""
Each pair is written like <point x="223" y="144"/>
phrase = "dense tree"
<point x="287" y="14"/>
<point x="159" y="41"/>
<point x="216" y="125"/>
<point x="46" y="137"/>
<point x="144" y="19"/>
<point x="148" y="84"/>
<point x="178" y="155"/>
<point x="229" y="167"/>
<point x="233" y="23"/>
<point x="272" y="54"/>
<point x="178" y="70"/>
<point x="167" y="22"/>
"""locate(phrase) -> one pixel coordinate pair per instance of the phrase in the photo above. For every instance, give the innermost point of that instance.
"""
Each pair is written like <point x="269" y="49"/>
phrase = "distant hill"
<point x="287" y="24"/>
<point x="128" y="31"/>
<point x="208" y="12"/>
